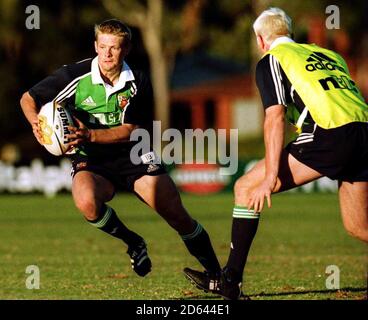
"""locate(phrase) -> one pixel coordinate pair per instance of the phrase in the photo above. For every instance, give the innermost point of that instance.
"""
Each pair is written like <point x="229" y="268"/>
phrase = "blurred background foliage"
<point x="218" y="27"/>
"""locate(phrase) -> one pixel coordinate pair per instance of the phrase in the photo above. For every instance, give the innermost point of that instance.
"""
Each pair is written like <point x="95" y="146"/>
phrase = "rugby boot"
<point x="230" y="285"/>
<point x="206" y="281"/>
<point x="139" y="259"/>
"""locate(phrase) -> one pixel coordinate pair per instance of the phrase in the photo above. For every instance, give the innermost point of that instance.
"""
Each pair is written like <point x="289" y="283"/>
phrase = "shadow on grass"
<point x="341" y="292"/>
<point x="199" y="297"/>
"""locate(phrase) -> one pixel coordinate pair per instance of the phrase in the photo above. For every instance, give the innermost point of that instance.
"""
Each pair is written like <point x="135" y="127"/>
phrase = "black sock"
<point x="244" y="228"/>
<point x="111" y="224"/>
<point x="199" y="245"/>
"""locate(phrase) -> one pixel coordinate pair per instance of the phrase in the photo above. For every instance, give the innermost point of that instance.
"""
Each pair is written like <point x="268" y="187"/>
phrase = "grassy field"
<point x="296" y="241"/>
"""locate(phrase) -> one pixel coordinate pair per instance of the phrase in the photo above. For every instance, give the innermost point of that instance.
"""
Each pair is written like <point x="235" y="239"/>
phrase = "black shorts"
<point x="118" y="170"/>
<point x="340" y="153"/>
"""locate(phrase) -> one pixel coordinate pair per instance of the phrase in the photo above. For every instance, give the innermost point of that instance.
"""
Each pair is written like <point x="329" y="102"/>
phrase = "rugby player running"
<point x="110" y="100"/>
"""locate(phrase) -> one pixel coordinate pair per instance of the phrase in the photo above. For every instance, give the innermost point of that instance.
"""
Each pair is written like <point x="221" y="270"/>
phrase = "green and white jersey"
<point x="97" y="104"/>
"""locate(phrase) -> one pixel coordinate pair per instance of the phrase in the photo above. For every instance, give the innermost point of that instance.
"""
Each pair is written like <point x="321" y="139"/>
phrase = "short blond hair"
<point x="115" y="27"/>
<point x="273" y="23"/>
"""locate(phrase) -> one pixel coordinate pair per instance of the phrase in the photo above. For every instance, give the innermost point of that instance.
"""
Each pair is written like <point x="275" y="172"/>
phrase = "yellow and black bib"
<point x="322" y="80"/>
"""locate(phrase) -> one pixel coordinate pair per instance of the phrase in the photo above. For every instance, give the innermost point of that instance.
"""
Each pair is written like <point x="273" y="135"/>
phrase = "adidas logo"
<point x="152" y="168"/>
<point x="320" y="61"/>
<point x="114" y="230"/>
<point x="89" y="102"/>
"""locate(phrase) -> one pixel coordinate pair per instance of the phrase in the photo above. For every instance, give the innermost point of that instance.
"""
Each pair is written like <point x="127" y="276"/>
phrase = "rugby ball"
<point x="54" y="119"/>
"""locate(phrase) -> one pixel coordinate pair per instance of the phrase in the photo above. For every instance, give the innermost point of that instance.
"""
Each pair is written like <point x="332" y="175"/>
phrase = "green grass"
<point x="297" y="239"/>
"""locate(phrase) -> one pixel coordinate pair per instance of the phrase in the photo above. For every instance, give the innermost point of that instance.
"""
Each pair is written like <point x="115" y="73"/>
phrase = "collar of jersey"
<point x="280" y="40"/>
<point x="126" y="74"/>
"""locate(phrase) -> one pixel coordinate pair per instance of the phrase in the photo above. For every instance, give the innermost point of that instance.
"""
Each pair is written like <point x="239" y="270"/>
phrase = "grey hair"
<point x="273" y="23"/>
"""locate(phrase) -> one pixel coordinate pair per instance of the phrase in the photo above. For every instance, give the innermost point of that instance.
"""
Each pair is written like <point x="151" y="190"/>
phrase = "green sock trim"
<point x="243" y="213"/>
<point x="105" y="218"/>
<point x="195" y="233"/>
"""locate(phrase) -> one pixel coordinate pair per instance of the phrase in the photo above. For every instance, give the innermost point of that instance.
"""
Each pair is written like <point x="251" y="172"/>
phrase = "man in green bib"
<point x="310" y="87"/>
<point x="110" y="100"/>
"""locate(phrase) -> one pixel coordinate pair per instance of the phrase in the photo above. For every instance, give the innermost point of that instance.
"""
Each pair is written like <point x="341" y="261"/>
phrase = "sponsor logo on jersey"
<point x="109" y="118"/>
<point x="342" y="82"/>
<point x="319" y="61"/>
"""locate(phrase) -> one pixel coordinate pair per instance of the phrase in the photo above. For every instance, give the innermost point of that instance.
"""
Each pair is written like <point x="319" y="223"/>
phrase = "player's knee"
<point x="88" y="207"/>
<point x="362" y="235"/>
<point x="241" y="190"/>
<point x="359" y="232"/>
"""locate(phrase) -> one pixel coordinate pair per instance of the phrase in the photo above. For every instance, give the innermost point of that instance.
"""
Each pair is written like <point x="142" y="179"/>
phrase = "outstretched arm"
<point x="274" y="129"/>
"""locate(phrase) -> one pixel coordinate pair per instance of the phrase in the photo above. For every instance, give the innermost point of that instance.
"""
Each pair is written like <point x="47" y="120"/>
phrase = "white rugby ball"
<point x="54" y="120"/>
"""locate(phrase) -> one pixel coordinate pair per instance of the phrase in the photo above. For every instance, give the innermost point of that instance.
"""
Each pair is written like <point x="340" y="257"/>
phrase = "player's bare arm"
<point x="274" y="129"/>
<point x="81" y="134"/>
<point x="30" y="111"/>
